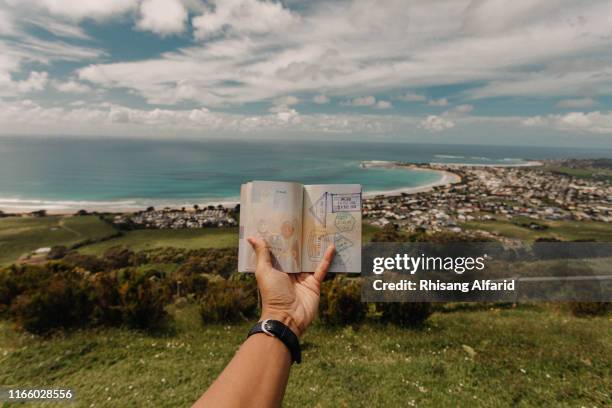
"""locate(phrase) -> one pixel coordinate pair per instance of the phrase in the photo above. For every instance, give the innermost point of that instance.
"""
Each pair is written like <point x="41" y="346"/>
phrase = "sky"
<point x="464" y="71"/>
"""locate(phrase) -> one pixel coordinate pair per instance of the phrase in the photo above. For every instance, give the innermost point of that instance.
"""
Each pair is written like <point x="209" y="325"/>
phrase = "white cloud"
<point x="59" y="28"/>
<point x="71" y="86"/>
<point x="163" y="17"/>
<point x="575" y="103"/>
<point x="438" y="102"/>
<point x="383" y="105"/>
<point x="288" y="100"/>
<point x="243" y="16"/>
<point x="95" y="119"/>
<point x="591" y="122"/>
<point x="360" y="101"/>
<point x="79" y="10"/>
<point x="259" y="50"/>
<point x="7" y="25"/>
<point x="412" y="97"/>
<point x="460" y="110"/>
<point x="36" y="81"/>
<point x="435" y="123"/>
<point x="320" y="99"/>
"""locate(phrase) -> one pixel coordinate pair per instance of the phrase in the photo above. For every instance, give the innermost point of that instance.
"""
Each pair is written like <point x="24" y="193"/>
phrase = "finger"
<point x="323" y="266"/>
<point x="262" y="252"/>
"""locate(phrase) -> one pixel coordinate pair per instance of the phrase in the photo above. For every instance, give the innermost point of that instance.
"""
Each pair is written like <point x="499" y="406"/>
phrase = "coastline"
<point x="446" y="178"/>
<point x="68" y="207"/>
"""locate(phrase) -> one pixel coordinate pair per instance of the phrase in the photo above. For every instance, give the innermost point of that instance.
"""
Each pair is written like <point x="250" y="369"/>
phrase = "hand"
<point x="292" y="298"/>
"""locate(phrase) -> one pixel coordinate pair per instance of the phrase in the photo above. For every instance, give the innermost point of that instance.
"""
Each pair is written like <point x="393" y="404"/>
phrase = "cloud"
<point x="84" y="119"/>
<point x="59" y="28"/>
<point x="243" y="16"/>
<point x="36" y="81"/>
<point x="412" y="97"/>
<point x="282" y="107"/>
<point x="79" y="10"/>
<point x="438" y="102"/>
<point x="288" y="100"/>
<point x="383" y="105"/>
<point x="72" y="86"/>
<point x="320" y="99"/>
<point x="360" y="101"/>
<point x="460" y="110"/>
<point x="435" y="123"/>
<point x="575" y="103"/>
<point x="260" y="50"/>
<point x="163" y="17"/>
<point x="7" y="25"/>
<point x="591" y="122"/>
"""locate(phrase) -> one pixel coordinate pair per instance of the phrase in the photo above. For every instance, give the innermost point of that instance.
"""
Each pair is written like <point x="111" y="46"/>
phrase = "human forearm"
<point x="256" y="376"/>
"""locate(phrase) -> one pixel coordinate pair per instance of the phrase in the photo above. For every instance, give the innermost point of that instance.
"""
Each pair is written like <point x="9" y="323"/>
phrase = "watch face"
<point x="266" y="327"/>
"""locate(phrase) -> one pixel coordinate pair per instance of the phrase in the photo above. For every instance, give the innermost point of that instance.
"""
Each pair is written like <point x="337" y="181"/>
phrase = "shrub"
<point x="62" y="302"/>
<point x="90" y="263"/>
<point x="143" y="298"/>
<point x="57" y="252"/>
<point x="119" y="257"/>
<point x="341" y="301"/>
<point x="405" y="314"/>
<point x="40" y="298"/>
<point x="585" y="309"/>
<point x="228" y="301"/>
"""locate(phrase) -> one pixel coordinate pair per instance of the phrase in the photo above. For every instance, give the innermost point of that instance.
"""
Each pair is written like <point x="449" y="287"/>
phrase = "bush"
<point x="404" y="314"/>
<point x="40" y="298"/>
<point x="57" y="252"/>
<point x="62" y="302"/>
<point x="90" y="263"/>
<point x="143" y="298"/>
<point x="228" y="301"/>
<point x="341" y="301"/>
<point x="119" y="257"/>
<point x="585" y="309"/>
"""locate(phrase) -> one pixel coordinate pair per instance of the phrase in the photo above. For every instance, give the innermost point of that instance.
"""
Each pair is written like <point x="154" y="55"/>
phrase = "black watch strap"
<point x="279" y="330"/>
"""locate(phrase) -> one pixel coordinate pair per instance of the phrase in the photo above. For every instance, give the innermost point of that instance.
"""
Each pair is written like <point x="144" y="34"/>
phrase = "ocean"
<point x="110" y="173"/>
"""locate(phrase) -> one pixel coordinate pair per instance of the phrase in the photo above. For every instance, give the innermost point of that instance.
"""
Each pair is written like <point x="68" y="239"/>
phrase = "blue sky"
<point x="473" y="71"/>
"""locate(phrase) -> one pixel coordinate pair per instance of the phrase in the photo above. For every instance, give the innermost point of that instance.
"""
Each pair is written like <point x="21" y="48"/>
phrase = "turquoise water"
<point x="75" y="173"/>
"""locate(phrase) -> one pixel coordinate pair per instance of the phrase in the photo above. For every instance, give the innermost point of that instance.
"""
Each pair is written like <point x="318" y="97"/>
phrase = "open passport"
<point x="299" y="222"/>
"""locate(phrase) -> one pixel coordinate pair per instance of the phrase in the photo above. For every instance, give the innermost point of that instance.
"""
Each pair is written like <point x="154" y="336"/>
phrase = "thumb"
<point x="262" y="252"/>
<point x="323" y="266"/>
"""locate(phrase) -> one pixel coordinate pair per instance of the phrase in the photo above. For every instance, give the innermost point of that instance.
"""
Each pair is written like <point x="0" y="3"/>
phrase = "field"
<point x="563" y="230"/>
<point x="186" y="238"/>
<point x="480" y="357"/>
<point x="20" y="235"/>
<point x="466" y="354"/>
<point x="598" y="173"/>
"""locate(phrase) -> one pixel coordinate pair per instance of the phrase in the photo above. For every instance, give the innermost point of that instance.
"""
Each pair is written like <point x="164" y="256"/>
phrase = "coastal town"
<point x="486" y="193"/>
<point x="169" y="218"/>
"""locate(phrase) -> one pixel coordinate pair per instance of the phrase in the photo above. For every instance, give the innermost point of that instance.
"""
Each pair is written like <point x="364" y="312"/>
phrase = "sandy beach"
<point x="446" y="178"/>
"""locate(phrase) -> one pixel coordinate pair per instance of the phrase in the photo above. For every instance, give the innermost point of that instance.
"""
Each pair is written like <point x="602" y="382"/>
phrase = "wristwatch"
<point x="279" y="330"/>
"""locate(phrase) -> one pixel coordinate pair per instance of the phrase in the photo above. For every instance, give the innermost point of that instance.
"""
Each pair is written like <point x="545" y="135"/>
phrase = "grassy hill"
<point x="20" y="235"/>
<point x="482" y="356"/>
<point x="187" y="238"/>
<point x="563" y="230"/>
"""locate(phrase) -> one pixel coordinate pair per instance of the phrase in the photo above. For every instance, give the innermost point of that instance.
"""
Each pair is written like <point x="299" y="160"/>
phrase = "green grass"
<point x="20" y="235"/>
<point x="186" y="238"/>
<point x="587" y="173"/>
<point x="523" y="357"/>
<point x="564" y="230"/>
<point x="367" y="231"/>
